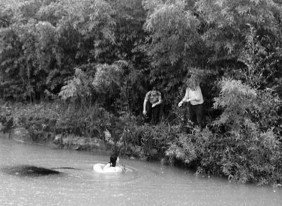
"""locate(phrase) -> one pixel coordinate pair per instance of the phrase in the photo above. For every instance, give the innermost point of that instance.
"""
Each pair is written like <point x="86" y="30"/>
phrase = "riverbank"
<point x="58" y="141"/>
<point x="148" y="183"/>
<point x="253" y="158"/>
<point x="85" y="129"/>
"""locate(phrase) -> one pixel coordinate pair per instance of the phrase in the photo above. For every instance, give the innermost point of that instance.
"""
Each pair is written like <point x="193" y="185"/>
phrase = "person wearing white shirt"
<point x="194" y="97"/>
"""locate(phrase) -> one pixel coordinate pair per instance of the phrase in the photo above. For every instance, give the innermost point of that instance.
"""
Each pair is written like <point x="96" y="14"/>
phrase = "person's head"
<point x="114" y="160"/>
<point x="153" y="88"/>
<point x="192" y="83"/>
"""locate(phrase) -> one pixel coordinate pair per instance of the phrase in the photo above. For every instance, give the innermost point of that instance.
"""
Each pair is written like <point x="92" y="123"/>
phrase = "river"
<point x="143" y="184"/>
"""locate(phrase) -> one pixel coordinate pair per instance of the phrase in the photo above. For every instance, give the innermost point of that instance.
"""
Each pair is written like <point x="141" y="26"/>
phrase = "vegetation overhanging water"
<point x="76" y="72"/>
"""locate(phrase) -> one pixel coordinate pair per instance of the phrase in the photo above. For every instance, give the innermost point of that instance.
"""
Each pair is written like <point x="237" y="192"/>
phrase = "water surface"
<point x="143" y="184"/>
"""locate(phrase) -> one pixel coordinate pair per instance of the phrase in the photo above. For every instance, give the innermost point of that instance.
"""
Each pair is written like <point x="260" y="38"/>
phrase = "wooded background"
<point x="102" y="56"/>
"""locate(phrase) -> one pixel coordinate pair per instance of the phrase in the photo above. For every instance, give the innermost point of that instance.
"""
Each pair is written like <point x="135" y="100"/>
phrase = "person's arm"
<point x="185" y="98"/>
<point x="158" y="102"/>
<point x="108" y="165"/>
<point x="145" y="103"/>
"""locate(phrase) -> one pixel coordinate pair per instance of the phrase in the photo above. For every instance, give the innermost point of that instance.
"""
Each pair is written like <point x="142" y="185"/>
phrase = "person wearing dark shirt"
<point x="152" y="106"/>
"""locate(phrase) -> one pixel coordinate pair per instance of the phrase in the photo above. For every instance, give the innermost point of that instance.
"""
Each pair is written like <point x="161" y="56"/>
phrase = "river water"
<point x="142" y="184"/>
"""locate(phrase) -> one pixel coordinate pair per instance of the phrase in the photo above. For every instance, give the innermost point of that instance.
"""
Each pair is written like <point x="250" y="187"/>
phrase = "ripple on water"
<point x="142" y="184"/>
<point x="88" y="175"/>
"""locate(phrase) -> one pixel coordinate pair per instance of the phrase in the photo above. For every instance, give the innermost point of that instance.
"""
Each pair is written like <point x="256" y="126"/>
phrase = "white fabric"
<point x="100" y="168"/>
<point x="196" y="96"/>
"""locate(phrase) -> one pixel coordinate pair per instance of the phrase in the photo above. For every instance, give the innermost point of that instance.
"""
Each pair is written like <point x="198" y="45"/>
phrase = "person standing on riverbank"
<point x="152" y="106"/>
<point x="194" y="97"/>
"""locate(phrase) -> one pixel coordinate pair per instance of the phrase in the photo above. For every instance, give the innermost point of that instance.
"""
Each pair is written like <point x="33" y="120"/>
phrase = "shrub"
<point x="252" y="152"/>
<point x="144" y="140"/>
<point x="244" y="145"/>
<point x="38" y="119"/>
<point x="6" y="120"/>
<point x="190" y="148"/>
<point x="87" y="121"/>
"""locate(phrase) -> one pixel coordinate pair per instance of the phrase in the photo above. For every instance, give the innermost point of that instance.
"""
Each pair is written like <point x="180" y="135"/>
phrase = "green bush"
<point x="6" y="120"/>
<point x="190" y="148"/>
<point x="144" y="140"/>
<point x="87" y="122"/>
<point x="39" y="119"/>
<point x="250" y="118"/>
<point x="244" y="145"/>
<point x="44" y="121"/>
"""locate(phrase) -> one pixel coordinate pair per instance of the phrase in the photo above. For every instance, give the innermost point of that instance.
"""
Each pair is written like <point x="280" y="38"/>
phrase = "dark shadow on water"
<point x="65" y="168"/>
<point x="29" y="171"/>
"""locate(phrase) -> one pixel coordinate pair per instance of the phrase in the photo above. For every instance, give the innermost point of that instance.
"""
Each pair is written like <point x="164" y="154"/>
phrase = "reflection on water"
<point x="142" y="184"/>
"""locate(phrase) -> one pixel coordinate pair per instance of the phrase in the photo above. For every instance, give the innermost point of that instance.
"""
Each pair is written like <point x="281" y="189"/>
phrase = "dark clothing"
<point x="153" y="113"/>
<point x="196" y="114"/>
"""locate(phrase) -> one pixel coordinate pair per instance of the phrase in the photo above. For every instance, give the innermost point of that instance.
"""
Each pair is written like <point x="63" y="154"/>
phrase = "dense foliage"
<point x="249" y="149"/>
<point x="94" y="60"/>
